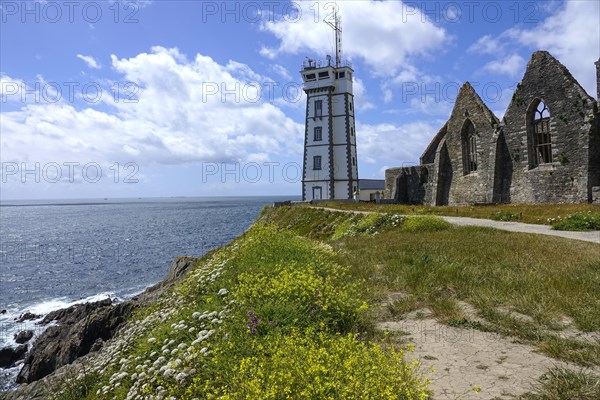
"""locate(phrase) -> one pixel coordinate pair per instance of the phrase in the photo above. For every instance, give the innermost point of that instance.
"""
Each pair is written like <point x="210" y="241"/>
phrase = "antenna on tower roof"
<point x="337" y="27"/>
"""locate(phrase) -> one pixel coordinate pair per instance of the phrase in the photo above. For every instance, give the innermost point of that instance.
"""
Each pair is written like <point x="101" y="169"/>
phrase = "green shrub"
<point x="425" y="224"/>
<point x="369" y="224"/>
<point x="561" y="383"/>
<point x="506" y="216"/>
<point x="302" y="295"/>
<point x="306" y="365"/>
<point x="582" y="221"/>
<point x="343" y="229"/>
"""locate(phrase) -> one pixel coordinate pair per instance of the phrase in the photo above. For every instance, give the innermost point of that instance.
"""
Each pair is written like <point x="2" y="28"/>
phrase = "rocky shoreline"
<point x="75" y="333"/>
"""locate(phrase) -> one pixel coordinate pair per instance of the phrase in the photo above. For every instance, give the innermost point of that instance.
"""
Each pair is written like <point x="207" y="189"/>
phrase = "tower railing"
<point x="314" y="64"/>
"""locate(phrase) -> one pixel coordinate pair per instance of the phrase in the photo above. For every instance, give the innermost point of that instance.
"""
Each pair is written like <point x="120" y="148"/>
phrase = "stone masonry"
<point x="546" y="149"/>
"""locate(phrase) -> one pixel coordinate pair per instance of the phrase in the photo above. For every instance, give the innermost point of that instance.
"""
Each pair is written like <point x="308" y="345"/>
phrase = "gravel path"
<point x="593" y="236"/>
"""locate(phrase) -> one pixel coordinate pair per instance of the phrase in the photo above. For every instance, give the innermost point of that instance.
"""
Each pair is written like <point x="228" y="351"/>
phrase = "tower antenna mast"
<point x="337" y="27"/>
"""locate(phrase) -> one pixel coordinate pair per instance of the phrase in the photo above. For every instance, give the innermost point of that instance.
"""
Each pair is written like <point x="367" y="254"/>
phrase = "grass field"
<point x="543" y="214"/>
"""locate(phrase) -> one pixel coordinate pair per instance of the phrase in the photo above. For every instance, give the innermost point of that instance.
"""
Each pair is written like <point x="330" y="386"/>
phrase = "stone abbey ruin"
<point x="546" y="148"/>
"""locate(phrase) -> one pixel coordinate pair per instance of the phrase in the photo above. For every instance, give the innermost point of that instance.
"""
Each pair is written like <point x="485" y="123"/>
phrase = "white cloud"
<point x="282" y="72"/>
<point x="386" y="35"/>
<point x="435" y="106"/>
<point x="486" y="45"/>
<point x="392" y="144"/>
<point x="11" y="89"/>
<point x="360" y="93"/>
<point x="512" y="65"/>
<point x="182" y="116"/>
<point x="388" y="96"/>
<point x="572" y="35"/>
<point x="90" y="61"/>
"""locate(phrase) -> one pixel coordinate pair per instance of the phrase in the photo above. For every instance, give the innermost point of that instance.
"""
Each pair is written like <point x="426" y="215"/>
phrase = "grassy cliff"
<point x="289" y="310"/>
<point x="271" y="315"/>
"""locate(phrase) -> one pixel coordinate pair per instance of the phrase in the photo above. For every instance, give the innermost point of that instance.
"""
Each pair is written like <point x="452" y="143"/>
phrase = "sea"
<point x="56" y="253"/>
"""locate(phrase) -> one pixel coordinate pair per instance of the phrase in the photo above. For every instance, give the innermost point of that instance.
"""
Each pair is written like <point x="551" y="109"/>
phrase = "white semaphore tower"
<point x="330" y="166"/>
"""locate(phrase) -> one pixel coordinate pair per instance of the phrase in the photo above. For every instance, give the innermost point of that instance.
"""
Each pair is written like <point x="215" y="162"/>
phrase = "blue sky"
<point x="186" y="98"/>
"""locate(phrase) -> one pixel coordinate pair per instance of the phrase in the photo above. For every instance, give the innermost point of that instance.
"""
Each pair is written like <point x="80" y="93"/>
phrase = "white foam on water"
<point x="48" y="306"/>
<point x="9" y="327"/>
<point x="8" y="377"/>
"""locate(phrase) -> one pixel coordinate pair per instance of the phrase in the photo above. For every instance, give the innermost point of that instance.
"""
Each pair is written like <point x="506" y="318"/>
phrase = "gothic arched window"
<point x="469" y="147"/>
<point x="540" y="135"/>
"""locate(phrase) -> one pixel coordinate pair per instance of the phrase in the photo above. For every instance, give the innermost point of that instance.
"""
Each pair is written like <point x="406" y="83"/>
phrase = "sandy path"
<point x="463" y="359"/>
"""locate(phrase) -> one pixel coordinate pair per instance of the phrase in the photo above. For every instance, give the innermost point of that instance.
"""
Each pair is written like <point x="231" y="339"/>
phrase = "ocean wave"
<point x="9" y="325"/>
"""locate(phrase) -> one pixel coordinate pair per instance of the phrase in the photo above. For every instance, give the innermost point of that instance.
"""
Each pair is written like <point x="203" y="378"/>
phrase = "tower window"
<point x="469" y="145"/>
<point x="351" y="105"/>
<point x="353" y="161"/>
<point x="542" y="140"/>
<point x="318" y="134"/>
<point x="317" y="162"/>
<point x="342" y="74"/>
<point x="323" y="75"/>
<point x="319" y="108"/>
<point x="311" y="77"/>
<point x="351" y="131"/>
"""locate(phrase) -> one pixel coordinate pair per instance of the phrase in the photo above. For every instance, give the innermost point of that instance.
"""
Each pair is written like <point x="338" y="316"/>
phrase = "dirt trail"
<point x="463" y="359"/>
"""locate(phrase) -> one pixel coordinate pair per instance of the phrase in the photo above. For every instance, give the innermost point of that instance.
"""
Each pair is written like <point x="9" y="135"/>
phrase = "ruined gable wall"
<point x="571" y="120"/>
<point x="475" y="186"/>
<point x="428" y="156"/>
<point x="594" y="160"/>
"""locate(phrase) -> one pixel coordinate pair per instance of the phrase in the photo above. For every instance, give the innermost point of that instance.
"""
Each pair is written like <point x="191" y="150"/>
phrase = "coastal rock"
<point x="23" y="336"/>
<point x="65" y="338"/>
<point x="27" y="316"/>
<point x="9" y="356"/>
<point x="78" y="328"/>
<point x="177" y="270"/>
<point x="97" y="345"/>
<point x="3" y="312"/>
<point x="74" y="313"/>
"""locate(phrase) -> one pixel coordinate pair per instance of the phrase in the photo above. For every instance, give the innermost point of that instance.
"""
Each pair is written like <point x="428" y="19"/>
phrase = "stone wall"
<point x="471" y="187"/>
<point x="565" y="179"/>
<point x="507" y="169"/>
<point x="409" y="185"/>
<point x="428" y="156"/>
<point x="597" y="80"/>
<point x="594" y="156"/>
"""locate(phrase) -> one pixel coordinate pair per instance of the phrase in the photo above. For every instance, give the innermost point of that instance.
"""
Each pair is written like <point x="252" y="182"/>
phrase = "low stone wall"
<point x="596" y="195"/>
<point x="409" y="185"/>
